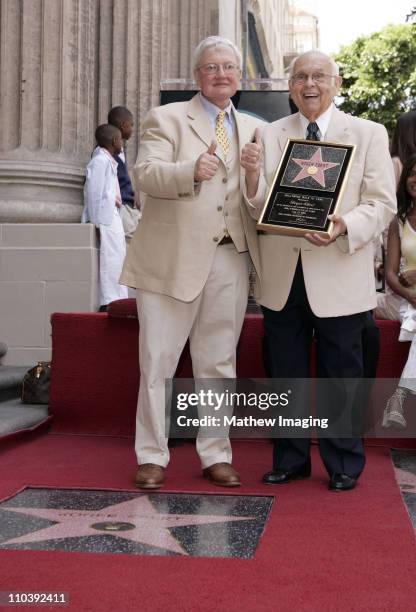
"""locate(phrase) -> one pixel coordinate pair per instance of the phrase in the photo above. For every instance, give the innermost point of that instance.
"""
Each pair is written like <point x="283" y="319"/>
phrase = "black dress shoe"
<point x="342" y="482"/>
<point x="284" y="476"/>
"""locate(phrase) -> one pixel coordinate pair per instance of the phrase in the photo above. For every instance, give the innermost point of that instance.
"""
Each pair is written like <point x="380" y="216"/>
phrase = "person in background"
<point x="102" y="202"/>
<point x="403" y="145"/>
<point x="322" y="287"/>
<point x="402" y="280"/>
<point x="130" y="212"/>
<point x="190" y="255"/>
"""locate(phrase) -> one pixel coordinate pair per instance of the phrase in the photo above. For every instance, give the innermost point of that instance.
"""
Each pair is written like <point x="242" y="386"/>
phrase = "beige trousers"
<point x="213" y="323"/>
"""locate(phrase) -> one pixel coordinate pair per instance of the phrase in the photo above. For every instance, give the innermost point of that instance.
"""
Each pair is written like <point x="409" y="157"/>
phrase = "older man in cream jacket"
<point x="189" y="257"/>
<point x="314" y="286"/>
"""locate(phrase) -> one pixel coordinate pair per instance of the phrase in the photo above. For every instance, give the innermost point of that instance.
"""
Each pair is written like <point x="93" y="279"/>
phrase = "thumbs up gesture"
<point x="207" y="164"/>
<point x="251" y="155"/>
<point x="251" y="161"/>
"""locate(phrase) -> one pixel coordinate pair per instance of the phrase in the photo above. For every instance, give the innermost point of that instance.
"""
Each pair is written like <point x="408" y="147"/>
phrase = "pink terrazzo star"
<point x="136" y="520"/>
<point x="313" y="168"/>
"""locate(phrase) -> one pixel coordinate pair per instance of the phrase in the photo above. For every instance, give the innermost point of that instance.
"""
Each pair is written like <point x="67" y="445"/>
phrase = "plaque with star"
<point x="307" y="188"/>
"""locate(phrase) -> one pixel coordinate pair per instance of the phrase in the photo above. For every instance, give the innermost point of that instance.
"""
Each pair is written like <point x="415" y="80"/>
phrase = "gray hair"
<point x="215" y="42"/>
<point x="333" y="63"/>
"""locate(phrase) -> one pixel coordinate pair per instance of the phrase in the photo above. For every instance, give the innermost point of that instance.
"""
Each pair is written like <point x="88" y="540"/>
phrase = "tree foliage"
<point x="379" y="74"/>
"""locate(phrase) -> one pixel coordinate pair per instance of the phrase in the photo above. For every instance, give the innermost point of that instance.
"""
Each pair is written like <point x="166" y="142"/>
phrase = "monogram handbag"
<point x="36" y="383"/>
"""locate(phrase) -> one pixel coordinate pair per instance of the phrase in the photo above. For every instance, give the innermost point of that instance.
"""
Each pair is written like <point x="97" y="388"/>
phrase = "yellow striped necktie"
<point x="221" y="133"/>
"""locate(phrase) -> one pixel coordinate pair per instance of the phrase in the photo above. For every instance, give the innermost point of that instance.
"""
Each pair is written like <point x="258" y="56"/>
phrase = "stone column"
<point x="142" y="42"/>
<point x="47" y="110"/>
<point x="63" y="65"/>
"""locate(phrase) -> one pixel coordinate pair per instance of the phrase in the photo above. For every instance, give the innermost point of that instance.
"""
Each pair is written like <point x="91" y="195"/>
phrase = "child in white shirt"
<point x="102" y="203"/>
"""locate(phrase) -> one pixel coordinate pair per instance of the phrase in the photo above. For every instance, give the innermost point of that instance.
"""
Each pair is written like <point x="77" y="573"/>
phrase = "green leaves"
<point x="379" y="74"/>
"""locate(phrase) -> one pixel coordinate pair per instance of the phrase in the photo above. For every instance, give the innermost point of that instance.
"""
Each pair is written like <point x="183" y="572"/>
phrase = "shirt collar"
<point x="322" y="121"/>
<point x="110" y="157"/>
<point x="213" y="110"/>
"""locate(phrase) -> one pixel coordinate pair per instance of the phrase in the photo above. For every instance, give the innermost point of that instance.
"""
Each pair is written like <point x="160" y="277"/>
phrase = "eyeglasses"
<point x="228" y="68"/>
<point x="317" y="77"/>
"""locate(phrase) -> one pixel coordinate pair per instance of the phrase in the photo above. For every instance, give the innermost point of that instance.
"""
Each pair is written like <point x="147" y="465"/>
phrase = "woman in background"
<point x="402" y="280"/>
<point x="403" y="145"/>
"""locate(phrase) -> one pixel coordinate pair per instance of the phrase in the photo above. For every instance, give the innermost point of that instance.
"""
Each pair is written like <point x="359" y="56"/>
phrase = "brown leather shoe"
<point x="150" y="476"/>
<point x="222" y="474"/>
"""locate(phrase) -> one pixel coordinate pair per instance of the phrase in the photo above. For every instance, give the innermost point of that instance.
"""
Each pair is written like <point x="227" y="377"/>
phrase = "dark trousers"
<point x="339" y="354"/>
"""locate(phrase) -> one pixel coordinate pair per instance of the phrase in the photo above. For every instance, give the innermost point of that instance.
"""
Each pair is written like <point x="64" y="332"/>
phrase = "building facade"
<point x="302" y="29"/>
<point x="63" y="65"/>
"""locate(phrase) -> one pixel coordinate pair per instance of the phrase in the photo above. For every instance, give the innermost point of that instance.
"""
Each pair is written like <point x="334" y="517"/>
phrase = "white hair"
<point x="333" y="63"/>
<point x="215" y="42"/>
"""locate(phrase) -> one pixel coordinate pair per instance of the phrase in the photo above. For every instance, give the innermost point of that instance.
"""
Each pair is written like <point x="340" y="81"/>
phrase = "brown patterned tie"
<point x="221" y="133"/>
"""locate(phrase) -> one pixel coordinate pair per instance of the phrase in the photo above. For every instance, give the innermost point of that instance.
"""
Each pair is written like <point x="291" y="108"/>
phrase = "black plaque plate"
<point x="307" y="188"/>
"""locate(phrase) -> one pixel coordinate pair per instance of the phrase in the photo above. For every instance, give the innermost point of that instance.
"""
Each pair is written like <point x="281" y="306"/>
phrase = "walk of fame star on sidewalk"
<point x="406" y="480"/>
<point x="136" y="520"/>
<point x="313" y="168"/>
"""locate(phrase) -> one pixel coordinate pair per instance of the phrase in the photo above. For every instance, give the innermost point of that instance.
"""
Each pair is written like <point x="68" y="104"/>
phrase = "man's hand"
<point x="206" y="165"/>
<point x="408" y="278"/>
<point x="251" y="161"/>
<point x="251" y="155"/>
<point x="338" y="229"/>
<point x="379" y="272"/>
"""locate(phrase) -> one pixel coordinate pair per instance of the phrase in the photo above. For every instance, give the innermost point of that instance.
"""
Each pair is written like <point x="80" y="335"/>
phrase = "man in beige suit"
<point x="316" y="286"/>
<point x="189" y="257"/>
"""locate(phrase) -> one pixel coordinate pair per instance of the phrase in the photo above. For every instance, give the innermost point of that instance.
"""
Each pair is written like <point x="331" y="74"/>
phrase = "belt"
<point x="225" y="240"/>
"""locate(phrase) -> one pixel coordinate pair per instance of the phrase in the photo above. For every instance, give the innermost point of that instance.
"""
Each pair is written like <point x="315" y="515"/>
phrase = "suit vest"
<point x="232" y="221"/>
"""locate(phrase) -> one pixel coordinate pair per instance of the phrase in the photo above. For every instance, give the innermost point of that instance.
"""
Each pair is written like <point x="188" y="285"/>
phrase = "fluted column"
<point x="47" y="110"/>
<point x="63" y="65"/>
<point x="142" y="42"/>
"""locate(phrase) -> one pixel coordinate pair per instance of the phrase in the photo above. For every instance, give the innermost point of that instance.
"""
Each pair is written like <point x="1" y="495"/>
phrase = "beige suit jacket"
<point x="339" y="278"/>
<point x="173" y="249"/>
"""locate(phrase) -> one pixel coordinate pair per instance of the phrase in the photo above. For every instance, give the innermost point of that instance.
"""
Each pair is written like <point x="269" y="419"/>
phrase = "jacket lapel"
<point x="290" y="128"/>
<point x="198" y="120"/>
<point x="244" y="131"/>
<point x="338" y="127"/>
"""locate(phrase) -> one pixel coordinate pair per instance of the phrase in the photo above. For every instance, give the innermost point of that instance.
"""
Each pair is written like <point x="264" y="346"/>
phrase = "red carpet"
<point x="320" y="551"/>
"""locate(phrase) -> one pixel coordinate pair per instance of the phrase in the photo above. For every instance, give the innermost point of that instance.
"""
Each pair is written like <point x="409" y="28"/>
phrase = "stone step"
<point x="15" y="416"/>
<point x="11" y="381"/>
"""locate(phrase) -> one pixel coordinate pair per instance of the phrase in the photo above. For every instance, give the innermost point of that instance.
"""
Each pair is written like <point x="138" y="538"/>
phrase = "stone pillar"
<point x="47" y="110"/>
<point x="63" y="65"/>
<point x="142" y="42"/>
